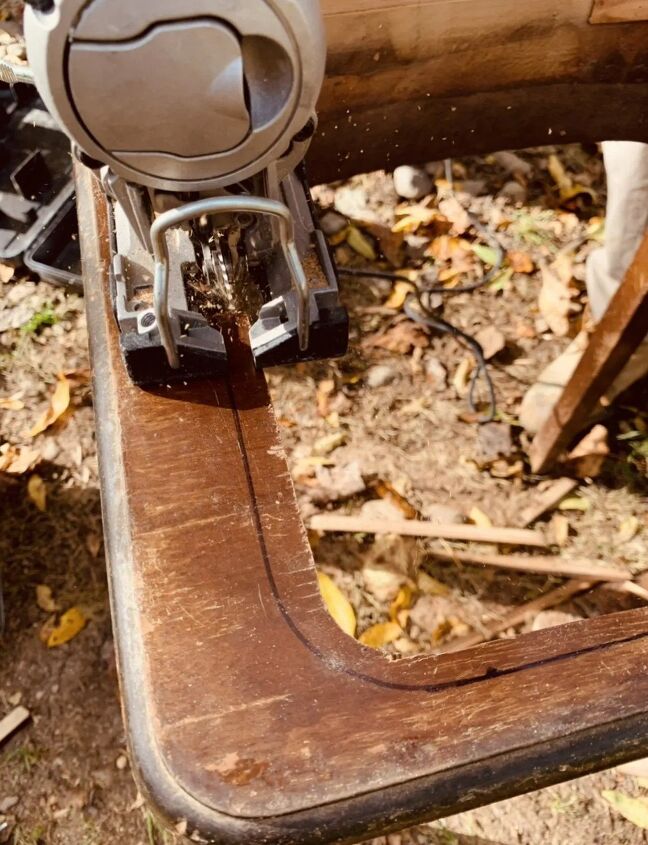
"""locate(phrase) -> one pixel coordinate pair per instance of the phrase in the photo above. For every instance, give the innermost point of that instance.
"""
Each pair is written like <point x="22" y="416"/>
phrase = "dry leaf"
<point x="454" y="211"/>
<point x="399" y="294"/>
<point x="461" y="378"/>
<point x="325" y="390"/>
<point x="587" y="458"/>
<point x="380" y="635"/>
<point x="388" y="492"/>
<point x="71" y="623"/>
<point x="45" y="600"/>
<point x="337" y="604"/>
<point x="628" y="529"/>
<point x="12" y="403"/>
<point x="6" y="273"/>
<point x="430" y="586"/>
<point x="491" y="340"/>
<point x="59" y="404"/>
<point x="521" y="262"/>
<point x="575" y="503"/>
<point x="560" y="529"/>
<point x="635" y="810"/>
<point x="329" y="443"/>
<point x="15" y="461"/>
<point x="556" y="298"/>
<point x="401" y="338"/>
<point x="478" y="517"/>
<point x="403" y="601"/>
<point x="360" y="243"/>
<point x="412" y="217"/>
<point x="391" y="243"/>
<point x="37" y="492"/>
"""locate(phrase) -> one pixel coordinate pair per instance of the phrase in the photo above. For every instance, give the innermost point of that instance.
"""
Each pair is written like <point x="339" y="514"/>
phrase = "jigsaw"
<point x="196" y="118"/>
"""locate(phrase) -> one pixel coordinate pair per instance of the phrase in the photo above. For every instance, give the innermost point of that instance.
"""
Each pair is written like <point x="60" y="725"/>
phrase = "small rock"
<point x="121" y="762"/>
<point x="442" y="515"/>
<point x="337" y="483"/>
<point x="491" y="340"/>
<point x="553" y="618"/>
<point x="514" y="192"/>
<point x="474" y="187"/>
<point x="332" y="223"/>
<point x="412" y="183"/>
<point x="436" y="374"/>
<point x="513" y="163"/>
<point x="9" y="803"/>
<point x="380" y="376"/>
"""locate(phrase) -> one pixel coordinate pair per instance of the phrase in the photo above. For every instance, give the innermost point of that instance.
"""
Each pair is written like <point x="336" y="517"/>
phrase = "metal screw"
<point x="148" y="320"/>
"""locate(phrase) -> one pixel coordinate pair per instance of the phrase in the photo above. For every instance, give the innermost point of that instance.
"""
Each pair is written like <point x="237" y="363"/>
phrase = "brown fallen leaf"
<point x="71" y="623"/>
<point x="556" y="300"/>
<point x="37" y="492"/>
<point x="337" y="604"/>
<point x="491" y="340"/>
<point x="521" y="262"/>
<point x="381" y="634"/>
<point x="388" y="492"/>
<point x="59" y="404"/>
<point x="402" y="602"/>
<point x="587" y="458"/>
<point x="413" y="217"/>
<point x="401" y="338"/>
<point x="390" y="242"/>
<point x="45" y="600"/>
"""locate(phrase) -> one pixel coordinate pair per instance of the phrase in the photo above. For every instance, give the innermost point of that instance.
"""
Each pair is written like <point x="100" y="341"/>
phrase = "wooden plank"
<point x="249" y="713"/>
<point x="417" y="528"/>
<point x="619" y="11"/>
<point x="419" y="81"/>
<point x="617" y="336"/>
<point x="12" y="721"/>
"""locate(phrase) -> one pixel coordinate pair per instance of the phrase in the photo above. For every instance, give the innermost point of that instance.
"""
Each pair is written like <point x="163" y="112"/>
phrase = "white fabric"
<point x="626" y="163"/>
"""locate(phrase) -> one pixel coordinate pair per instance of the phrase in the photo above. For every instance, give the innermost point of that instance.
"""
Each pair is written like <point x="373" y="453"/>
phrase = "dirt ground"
<point x="385" y="431"/>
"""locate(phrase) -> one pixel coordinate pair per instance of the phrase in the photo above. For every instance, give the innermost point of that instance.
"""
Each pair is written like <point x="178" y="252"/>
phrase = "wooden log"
<point x="416" y="528"/>
<point x="409" y="82"/>
<point x="616" y="337"/>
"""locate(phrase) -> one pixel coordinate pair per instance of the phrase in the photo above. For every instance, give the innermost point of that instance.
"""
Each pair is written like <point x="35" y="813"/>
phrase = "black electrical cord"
<point x="424" y="316"/>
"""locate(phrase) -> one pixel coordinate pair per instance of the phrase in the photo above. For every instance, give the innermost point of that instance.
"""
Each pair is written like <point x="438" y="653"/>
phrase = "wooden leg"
<point x="622" y="329"/>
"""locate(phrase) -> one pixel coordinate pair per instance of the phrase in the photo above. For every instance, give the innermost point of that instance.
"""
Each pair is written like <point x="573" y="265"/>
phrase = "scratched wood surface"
<point x="248" y="711"/>
<point x="419" y="80"/>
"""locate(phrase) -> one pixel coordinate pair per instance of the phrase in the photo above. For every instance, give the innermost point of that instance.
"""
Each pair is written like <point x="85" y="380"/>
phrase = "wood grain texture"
<point x="619" y="11"/>
<point x="249" y="712"/>
<point x="419" y="81"/>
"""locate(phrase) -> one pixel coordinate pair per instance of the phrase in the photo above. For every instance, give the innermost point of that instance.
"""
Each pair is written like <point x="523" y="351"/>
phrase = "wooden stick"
<point x="587" y="570"/>
<point x="547" y="500"/>
<point x="416" y="528"/>
<point x="12" y="722"/>
<point x="520" y="615"/>
<point x="629" y="587"/>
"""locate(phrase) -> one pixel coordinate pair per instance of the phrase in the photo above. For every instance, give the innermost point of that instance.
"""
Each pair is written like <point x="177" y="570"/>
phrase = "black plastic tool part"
<point x="55" y="255"/>
<point x="329" y="338"/>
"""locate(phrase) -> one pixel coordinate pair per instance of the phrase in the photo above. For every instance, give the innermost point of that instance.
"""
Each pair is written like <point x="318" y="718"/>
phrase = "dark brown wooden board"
<point x="412" y="82"/>
<point x="249" y="713"/>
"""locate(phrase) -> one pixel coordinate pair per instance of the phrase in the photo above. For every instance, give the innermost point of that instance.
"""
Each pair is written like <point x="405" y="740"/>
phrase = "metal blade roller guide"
<point x="196" y="117"/>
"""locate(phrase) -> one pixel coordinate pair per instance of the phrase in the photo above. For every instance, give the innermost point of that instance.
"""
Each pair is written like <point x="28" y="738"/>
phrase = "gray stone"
<point x="332" y="223"/>
<point x="514" y="192"/>
<point x="412" y="183"/>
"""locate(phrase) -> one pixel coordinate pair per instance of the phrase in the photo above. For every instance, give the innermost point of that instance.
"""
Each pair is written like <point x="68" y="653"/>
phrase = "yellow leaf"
<point x="399" y="294"/>
<point x="72" y="622"/>
<point x="37" y="492"/>
<point x="560" y="529"/>
<point x="478" y="517"/>
<point x="45" y="600"/>
<point x="329" y="443"/>
<point x="337" y="604"/>
<point x="429" y="585"/>
<point x="628" y="529"/>
<point x="575" y="503"/>
<point x="360" y="243"/>
<point x="403" y="601"/>
<point x="17" y="461"/>
<point x="635" y="810"/>
<point x="461" y="378"/>
<point x="59" y="404"/>
<point x="381" y="634"/>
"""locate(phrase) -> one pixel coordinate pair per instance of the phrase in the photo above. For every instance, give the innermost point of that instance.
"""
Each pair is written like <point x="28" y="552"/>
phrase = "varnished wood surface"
<point x="419" y="80"/>
<point x="249" y="712"/>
